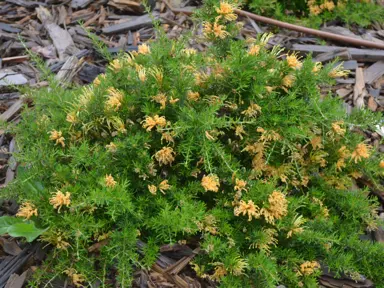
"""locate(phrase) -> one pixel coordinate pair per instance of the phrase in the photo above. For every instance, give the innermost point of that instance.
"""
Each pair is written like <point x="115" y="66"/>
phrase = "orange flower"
<point x="151" y="122"/>
<point x="143" y="49"/>
<point x="307" y="268"/>
<point x="57" y="136"/>
<point x="315" y="10"/>
<point x="210" y="183"/>
<point x="115" y="65"/>
<point x="249" y="209"/>
<point x="165" y="156"/>
<point x="216" y="29"/>
<point x="226" y="11"/>
<point x="278" y="207"/>
<point x="76" y="278"/>
<point x="254" y="49"/>
<point x="152" y="189"/>
<point x="193" y="96"/>
<point x="252" y="111"/>
<point x="161" y="99"/>
<point x="336" y="127"/>
<point x="71" y="117"/>
<point x="288" y="81"/>
<point x="109" y="181"/>
<point x="240" y="185"/>
<point x="381" y="164"/>
<point x="59" y="200"/>
<point x="293" y="61"/>
<point x="163" y="186"/>
<point x="361" y="151"/>
<point x="111" y="147"/>
<point x="115" y="97"/>
<point x="27" y="210"/>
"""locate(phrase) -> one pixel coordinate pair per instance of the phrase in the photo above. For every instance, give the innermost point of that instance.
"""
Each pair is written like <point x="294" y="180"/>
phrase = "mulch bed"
<point x="52" y="29"/>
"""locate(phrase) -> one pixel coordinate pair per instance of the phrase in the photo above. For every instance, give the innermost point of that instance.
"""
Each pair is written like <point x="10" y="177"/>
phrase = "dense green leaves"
<point x="234" y="150"/>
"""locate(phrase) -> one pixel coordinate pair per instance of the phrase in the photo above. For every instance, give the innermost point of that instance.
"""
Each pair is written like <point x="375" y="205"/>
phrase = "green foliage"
<point x="17" y="227"/>
<point x="234" y="147"/>
<point x="315" y="12"/>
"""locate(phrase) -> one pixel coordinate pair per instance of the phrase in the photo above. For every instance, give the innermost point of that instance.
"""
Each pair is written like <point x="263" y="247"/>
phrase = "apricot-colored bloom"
<point x="240" y="185"/>
<point x="109" y="181"/>
<point x="226" y="10"/>
<point x="336" y="127"/>
<point x="115" y="97"/>
<point x="143" y="49"/>
<point x="165" y="156"/>
<point x="157" y="74"/>
<point x="254" y="49"/>
<point x="308" y="267"/>
<point x="297" y="228"/>
<point x="249" y="209"/>
<point x="328" y="5"/>
<point x="239" y="131"/>
<point x="61" y="243"/>
<point x="59" y="199"/>
<point x="268" y="135"/>
<point x="167" y="136"/>
<point x="71" y="117"/>
<point x="315" y="10"/>
<point x="76" y="278"/>
<point x="152" y="189"/>
<point x="210" y="183"/>
<point x="269" y="89"/>
<point x="219" y="273"/>
<point x="150" y="122"/>
<point x="111" y="147"/>
<point x="288" y="81"/>
<point x="193" y="96"/>
<point x="163" y="186"/>
<point x="116" y="65"/>
<point x="27" y="210"/>
<point x="361" y="151"/>
<point x="252" y="111"/>
<point x="293" y="61"/>
<point x="189" y="51"/>
<point x="161" y="99"/>
<point x="142" y="74"/>
<point x="316" y="142"/>
<point x="96" y="81"/>
<point x="381" y="164"/>
<point x="278" y="207"/>
<point x="317" y="67"/>
<point x="356" y="174"/>
<point x="174" y="101"/>
<point x="216" y="29"/>
<point x="338" y="71"/>
<point x="57" y="136"/>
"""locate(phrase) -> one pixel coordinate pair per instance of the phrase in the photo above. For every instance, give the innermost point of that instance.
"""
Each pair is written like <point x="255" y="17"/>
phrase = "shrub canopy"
<point x="236" y="149"/>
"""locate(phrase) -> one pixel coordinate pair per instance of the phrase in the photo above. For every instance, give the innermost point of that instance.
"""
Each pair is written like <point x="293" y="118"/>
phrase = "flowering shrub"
<point x="315" y="12"/>
<point x="233" y="149"/>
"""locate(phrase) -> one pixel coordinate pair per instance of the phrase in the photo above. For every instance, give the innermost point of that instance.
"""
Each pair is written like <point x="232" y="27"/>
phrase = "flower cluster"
<point x="59" y="199"/>
<point x="27" y="210"/>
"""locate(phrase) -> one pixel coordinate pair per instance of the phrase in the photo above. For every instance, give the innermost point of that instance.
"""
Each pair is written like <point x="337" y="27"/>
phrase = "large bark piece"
<point x="367" y="55"/>
<point x="61" y="38"/>
<point x="136" y="24"/>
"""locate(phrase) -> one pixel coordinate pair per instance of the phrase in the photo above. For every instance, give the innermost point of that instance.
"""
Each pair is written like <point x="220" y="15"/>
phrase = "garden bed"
<point x="176" y="264"/>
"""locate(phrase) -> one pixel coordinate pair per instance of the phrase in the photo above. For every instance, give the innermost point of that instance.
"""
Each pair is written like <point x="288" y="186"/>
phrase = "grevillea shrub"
<point x="234" y="150"/>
